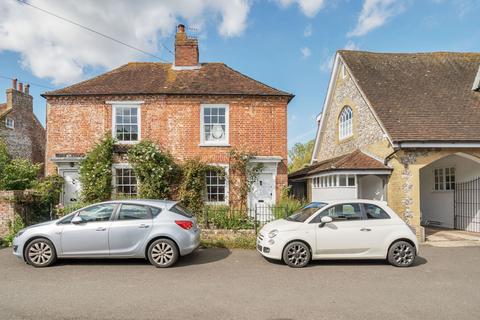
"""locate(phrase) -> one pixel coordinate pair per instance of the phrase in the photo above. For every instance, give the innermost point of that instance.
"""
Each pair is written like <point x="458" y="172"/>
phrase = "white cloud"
<point x="376" y="13"/>
<point x="307" y="32"/>
<point x="310" y="8"/>
<point x="351" y="46"/>
<point x="327" y="63"/>
<point x="52" y="48"/>
<point x="306" y="52"/>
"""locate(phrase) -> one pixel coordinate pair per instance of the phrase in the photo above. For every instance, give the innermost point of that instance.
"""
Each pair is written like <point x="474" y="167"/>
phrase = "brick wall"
<point x="256" y="124"/>
<point x="7" y="211"/>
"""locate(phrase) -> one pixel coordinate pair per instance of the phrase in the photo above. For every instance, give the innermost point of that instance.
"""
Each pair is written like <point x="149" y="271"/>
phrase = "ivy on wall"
<point x="96" y="172"/>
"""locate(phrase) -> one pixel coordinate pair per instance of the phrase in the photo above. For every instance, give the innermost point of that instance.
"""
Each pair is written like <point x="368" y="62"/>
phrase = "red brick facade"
<point x="256" y="124"/>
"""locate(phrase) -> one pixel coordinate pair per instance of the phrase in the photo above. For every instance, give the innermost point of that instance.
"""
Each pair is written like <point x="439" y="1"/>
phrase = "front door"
<point x="261" y="197"/>
<point x="90" y="237"/>
<point x="129" y="230"/>
<point x="343" y="237"/>
<point x="71" y="187"/>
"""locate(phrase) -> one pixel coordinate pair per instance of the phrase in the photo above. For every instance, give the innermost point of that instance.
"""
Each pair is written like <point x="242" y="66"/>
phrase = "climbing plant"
<point x="96" y="172"/>
<point x="156" y="171"/>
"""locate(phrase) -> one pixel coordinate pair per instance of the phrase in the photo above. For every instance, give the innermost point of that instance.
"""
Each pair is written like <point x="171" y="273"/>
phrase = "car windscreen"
<point x="181" y="211"/>
<point x="306" y="212"/>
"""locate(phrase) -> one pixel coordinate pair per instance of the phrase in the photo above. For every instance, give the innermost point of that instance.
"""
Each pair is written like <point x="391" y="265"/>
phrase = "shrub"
<point x="224" y="217"/>
<point x="193" y="185"/>
<point x="19" y="174"/>
<point x="156" y="171"/>
<point x="244" y="173"/>
<point x="287" y="204"/>
<point x="13" y="227"/>
<point x="49" y="189"/>
<point x="4" y="157"/>
<point x="96" y="172"/>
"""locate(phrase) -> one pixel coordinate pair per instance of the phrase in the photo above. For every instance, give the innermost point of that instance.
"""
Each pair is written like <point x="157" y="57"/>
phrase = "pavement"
<point x="440" y="237"/>
<point x="444" y="283"/>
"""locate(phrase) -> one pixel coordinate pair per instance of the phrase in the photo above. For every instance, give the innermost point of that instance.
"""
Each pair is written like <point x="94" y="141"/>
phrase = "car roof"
<point x="377" y="202"/>
<point x="148" y="202"/>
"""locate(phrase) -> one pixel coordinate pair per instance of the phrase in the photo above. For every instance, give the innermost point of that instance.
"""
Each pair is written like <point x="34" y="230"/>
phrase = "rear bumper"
<point x="193" y="243"/>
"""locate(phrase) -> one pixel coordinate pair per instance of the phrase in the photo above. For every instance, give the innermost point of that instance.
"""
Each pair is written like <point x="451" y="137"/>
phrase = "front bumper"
<point x="17" y="247"/>
<point x="269" y="247"/>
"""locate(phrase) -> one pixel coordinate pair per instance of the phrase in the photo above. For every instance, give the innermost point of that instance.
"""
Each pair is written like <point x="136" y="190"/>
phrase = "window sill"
<point x="214" y="145"/>
<point x="216" y="203"/>
<point x="126" y="142"/>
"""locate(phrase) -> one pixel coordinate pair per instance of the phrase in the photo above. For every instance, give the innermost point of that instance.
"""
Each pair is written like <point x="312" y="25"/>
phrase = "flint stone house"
<point x="403" y="128"/>
<point x="20" y="129"/>
<point x="187" y="108"/>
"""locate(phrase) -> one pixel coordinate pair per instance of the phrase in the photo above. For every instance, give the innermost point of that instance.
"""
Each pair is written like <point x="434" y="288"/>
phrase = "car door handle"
<point x="143" y="226"/>
<point x="101" y="229"/>
<point x="365" y="229"/>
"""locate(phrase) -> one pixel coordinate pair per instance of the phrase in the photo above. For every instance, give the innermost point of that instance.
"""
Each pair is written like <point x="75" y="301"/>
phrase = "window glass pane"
<point x="342" y="180"/>
<point x="342" y="212"/>
<point x="216" y="186"/>
<point x="375" y="212"/>
<point x="97" y="213"/>
<point x="351" y="181"/>
<point x="345" y="124"/>
<point x="126" y="182"/>
<point x="133" y="212"/>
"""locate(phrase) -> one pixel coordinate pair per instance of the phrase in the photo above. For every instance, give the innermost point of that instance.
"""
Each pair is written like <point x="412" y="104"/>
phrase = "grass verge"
<point x="238" y="242"/>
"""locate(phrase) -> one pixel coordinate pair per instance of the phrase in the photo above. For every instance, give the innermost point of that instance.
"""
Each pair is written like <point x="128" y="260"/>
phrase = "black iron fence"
<point x="467" y="205"/>
<point x="224" y="217"/>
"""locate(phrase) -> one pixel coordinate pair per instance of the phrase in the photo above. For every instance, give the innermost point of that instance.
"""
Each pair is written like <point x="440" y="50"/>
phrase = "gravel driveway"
<point x="239" y="284"/>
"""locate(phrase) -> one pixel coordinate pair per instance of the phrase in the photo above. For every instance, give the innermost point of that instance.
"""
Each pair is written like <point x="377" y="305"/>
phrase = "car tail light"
<point x="184" y="224"/>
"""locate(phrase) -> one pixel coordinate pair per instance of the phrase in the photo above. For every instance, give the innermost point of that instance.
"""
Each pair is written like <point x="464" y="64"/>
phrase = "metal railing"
<point x="467" y="205"/>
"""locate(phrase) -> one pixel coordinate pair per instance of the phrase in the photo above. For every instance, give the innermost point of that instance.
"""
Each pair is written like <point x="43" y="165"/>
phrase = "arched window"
<point x="345" y="124"/>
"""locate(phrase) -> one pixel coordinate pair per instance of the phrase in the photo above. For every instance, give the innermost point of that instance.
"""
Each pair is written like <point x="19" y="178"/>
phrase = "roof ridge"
<point x="475" y="53"/>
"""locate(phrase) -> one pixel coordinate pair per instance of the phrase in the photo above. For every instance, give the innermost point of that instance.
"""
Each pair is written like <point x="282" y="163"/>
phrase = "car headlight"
<point x="273" y="233"/>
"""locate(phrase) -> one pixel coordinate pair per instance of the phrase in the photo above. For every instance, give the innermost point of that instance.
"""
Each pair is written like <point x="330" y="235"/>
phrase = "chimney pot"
<point x="14" y="84"/>
<point x="27" y="89"/>
<point x="20" y="87"/>
<point x="181" y="28"/>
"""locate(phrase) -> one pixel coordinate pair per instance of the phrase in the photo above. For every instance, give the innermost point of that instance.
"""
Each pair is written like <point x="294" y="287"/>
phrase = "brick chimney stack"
<point x="20" y="87"/>
<point x="27" y="89"/>
<point x="186" y="49"/>
<point x="14" y="84"/>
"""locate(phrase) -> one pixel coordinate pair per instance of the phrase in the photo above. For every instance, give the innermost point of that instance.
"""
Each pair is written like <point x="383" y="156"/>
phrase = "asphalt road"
<point x="239" y="284"/>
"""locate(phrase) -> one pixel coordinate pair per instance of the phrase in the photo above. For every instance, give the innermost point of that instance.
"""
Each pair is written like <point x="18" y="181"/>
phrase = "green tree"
<point x="156" y="171"/>
<point x="19" y="174"/>
<point x="300" y="155"/>
<point x="96" y="172"/>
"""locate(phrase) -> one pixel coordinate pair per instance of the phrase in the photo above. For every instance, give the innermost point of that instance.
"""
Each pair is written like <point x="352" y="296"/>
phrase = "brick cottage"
<point x="187" y="108"/>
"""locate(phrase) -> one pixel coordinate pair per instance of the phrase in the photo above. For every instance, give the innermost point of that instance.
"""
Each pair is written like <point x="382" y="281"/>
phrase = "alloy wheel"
<point x="297" y="255"/>
<point x="403" y="254"/>
<point x="40" y="253"/>
<point x="162" y="253"/>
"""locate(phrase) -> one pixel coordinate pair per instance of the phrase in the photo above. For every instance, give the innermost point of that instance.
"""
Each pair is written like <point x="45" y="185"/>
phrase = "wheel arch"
<point x="158" y="237"/>
<point x="401" y="239"/>
<point x="298" y="240"/>
<point x="35" y="238"/>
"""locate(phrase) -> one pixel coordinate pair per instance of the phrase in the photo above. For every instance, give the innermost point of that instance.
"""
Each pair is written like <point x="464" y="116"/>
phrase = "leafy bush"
<point x="244" y="173"/>
<point x="224" y="217"/>
<point x="156" y="171"/>
<point x="287" y="205"/>
<point x="4" y="157"/>
<point x="13" y="227"/>
<point x="18" y="174"/>
<point x="238" y="242"/>
<point x="96" y="172"/>
<point x="50" y="188"/>
<point x="61" y="211"/>
<point x="193" y="185"/>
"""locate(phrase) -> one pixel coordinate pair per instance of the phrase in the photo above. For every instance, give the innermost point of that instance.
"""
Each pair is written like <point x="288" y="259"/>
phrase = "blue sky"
<point x="288" y="44"/>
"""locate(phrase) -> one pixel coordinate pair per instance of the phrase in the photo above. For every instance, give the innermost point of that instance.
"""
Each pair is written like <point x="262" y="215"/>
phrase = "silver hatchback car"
<point x="160" y="231"/>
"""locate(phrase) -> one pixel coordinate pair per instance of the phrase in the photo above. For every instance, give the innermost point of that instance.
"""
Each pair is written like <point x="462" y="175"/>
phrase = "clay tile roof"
<point x="356" y="160"/>
<point x="3" y="109"/>
<point x="420" y="96"/>
<point x="160" y="78"/>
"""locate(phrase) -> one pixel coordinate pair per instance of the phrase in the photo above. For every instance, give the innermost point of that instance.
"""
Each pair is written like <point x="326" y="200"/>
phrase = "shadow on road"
<point x="200" y="256"/>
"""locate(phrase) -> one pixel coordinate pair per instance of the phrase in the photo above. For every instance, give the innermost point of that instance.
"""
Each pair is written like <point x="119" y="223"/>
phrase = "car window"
<point x="341" y="212"/>
<point x="101" y="212"/>
<point x="306" y="212"/>
<point x="181" y="211"/>
<point x="155" y="211"/>
<point x="67" y="219"/>
<point x="133" y="212"/>
<point x="375" y="212"/>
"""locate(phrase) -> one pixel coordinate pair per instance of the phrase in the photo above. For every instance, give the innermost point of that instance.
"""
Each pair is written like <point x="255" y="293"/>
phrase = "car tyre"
<point x="40" y="253"/>
<point x="401" y="254"/>
<point x="163" y="253"/>
<point x="296" y="254"/>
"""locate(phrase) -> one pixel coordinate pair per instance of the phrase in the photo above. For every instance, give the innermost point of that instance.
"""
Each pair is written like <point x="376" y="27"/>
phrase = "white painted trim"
<point x="226" y="142"/>
<point x="334" y="172"/>
<point x="476" y="82"/>
<point x="331" y="87"/>
<point x="67" y="159"/>
<point x="126" y="102"/>
<point x="436" y="145"/>
<point x="179" y="68"/>
<point x="468" y="156"/>
<point x="267" y="159"/>
<point x="226" y="167"/>
<point x="139" y="121"/>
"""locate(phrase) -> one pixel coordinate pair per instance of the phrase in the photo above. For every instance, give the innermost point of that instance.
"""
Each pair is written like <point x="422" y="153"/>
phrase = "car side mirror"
<point x="324" y="221"/>
<point x="77" y="220"/>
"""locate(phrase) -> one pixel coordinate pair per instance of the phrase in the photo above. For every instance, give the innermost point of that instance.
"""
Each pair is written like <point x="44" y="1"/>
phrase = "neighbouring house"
<point x="187" y="108"/>
<point x="20" y="129"/>
<point x="403" y="128"/>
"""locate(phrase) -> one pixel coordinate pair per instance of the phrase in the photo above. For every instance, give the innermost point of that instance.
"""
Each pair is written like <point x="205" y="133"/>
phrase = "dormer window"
<point x="9" y="123"/>
<point x="345" y="123"/>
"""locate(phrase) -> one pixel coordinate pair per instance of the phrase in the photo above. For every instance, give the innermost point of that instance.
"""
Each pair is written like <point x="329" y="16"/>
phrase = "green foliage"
<point x="4" y="157"/>
<point x="244" y="173"/>
<point x="156" y="171"/>
<point x="193" y="185"/>
<point x="61" y="211"/>
<point x="13" y="227"/>
<point x="300" y="155"/>
<point x="96" y="172"/>
<point x="49" y="189"/>
<point x="19" y="174"/>
<point x="237" y="242"/>
<point x="224" y="217"/>
<point x="287" y="205"/>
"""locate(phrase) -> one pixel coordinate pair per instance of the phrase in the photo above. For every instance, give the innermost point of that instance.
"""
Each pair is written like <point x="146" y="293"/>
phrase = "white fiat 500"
<point x="357" y="229"/>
